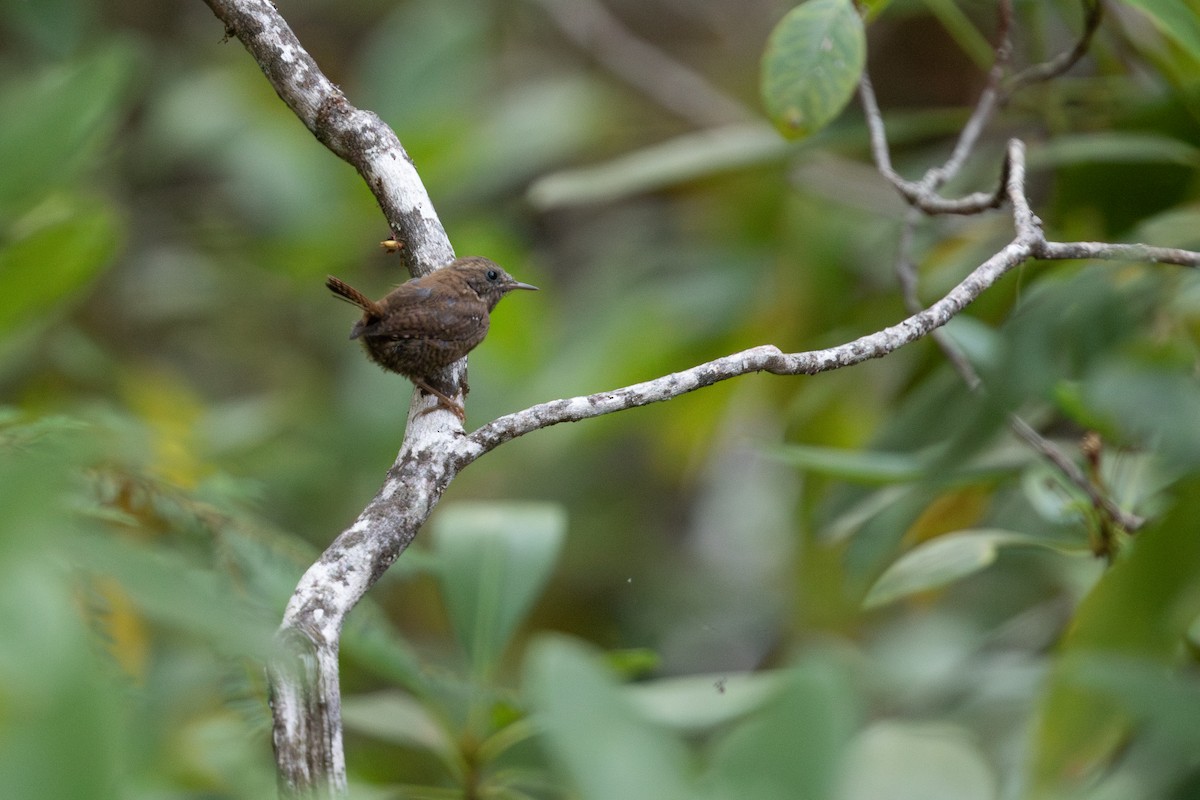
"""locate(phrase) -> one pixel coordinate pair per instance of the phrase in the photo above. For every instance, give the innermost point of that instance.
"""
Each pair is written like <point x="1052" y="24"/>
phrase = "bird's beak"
<point x="519" y="285"/>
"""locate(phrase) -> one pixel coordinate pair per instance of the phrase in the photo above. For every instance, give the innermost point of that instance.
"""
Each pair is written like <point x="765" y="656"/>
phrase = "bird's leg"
<point x="443" y="399"/>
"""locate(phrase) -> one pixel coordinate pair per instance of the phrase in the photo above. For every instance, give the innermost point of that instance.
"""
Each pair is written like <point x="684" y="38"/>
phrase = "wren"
<point x="430" y="322"/>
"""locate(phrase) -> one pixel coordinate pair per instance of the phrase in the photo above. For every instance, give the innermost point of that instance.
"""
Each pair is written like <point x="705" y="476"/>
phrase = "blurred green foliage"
<point x="772" y="588"/>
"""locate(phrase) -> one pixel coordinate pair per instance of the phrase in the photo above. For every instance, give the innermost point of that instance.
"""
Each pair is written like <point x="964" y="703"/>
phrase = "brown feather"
<point x="430" y="322"/>
<point x="351" y="295"/>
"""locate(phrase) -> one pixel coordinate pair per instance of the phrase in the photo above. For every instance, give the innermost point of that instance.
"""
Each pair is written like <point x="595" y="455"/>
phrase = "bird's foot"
<point x="443" y="400"/>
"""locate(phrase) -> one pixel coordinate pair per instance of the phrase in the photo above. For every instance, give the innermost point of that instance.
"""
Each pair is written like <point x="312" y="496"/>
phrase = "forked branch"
<point x="305" y="689"/>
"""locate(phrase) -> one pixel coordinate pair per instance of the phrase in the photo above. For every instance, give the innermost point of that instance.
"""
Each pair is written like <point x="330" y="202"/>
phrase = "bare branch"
<point x="1062" y="251"/>
<point x="305" y="695"/>
<point x="984" y="107"/>
<point x="922" y="195"/>
<point x="1028" y="244"/>
<point x="906" y="273"/>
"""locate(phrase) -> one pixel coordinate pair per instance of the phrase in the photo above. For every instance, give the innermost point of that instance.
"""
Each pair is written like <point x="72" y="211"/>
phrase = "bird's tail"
<point x="351" y="295"/>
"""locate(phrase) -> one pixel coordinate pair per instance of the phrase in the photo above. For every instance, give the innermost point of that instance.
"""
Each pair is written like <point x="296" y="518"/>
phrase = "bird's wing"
<point x="429" y="313"/>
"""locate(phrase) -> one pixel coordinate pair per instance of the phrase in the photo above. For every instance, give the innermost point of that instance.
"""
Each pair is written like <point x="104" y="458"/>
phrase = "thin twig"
<point x="921" y="193"/>
<point x="1072" y="472"/>
<point x="984" y="108"/>
<point x="1093" y="13"/>
<point x="906" y="273"/>
<point x="1029" y="244"/>
<point x="915" y="193"/>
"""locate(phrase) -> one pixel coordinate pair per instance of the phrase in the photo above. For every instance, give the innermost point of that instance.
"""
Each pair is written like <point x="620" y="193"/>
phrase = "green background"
<point x="683" y="600"/>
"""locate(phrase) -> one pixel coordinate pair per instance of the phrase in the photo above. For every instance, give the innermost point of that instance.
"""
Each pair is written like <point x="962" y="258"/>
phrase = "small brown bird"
<point x="430" y="322"/>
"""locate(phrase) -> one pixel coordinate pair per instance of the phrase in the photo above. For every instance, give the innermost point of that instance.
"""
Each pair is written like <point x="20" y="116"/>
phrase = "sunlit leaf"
<point x="813" y="61"/>
<point x="953" y="510"/>
<point x="944" y="560"/>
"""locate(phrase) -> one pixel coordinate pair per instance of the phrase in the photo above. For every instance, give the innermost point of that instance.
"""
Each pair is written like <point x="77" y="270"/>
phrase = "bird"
<point x="430" y="322"/>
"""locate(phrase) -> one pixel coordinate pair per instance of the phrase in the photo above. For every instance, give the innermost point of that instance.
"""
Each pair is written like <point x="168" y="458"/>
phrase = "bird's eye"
<point x="492" y="274"/>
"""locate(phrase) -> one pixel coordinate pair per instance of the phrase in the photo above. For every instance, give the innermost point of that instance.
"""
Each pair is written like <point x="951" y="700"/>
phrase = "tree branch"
<point x="1029" y="244"/>
<point x="305" y="695"/>
<point x="356" y="136"/>
<point x="304" y="678"/>
<point x="920" y="195"/>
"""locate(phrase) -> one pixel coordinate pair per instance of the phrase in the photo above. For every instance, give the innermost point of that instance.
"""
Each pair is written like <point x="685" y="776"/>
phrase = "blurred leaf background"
<point x="772" y="588"/>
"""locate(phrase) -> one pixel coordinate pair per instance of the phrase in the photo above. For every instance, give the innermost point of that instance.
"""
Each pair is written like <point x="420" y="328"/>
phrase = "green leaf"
<point x="589" y="725"/>
<point x="860" y="466"/>
<point x="395" y="717"/>
<point x="369" y="639"/>
<point x="906" y="761"/>
<point x="1113" y="147"/>
<point x="687" y="157"/>
<point x="874" y="8"/>
<point x="495" y="558"/>
<point x="70" y="240"/>
<point x="1141" y="609"/>
<point x="699" y="702"/>
<point x="793" y="746"/>
<point x="165" y="586"/>
<point x="1151" y="404"/>
<point x="56" y="124"/>
<point x="56" y="26"/>
<point x="811" y="66"/>
<point x="963" y="31"/>
<point x="1178" y="20"/>
<point x="944" y="560"/>
<point x="1175" y="227"/>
